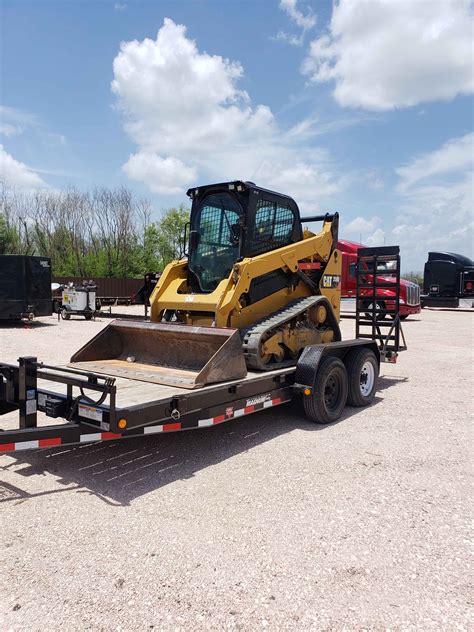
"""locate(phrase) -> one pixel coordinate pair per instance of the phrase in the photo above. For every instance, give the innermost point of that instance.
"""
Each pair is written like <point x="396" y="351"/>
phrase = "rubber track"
<point x="251" y="337"/>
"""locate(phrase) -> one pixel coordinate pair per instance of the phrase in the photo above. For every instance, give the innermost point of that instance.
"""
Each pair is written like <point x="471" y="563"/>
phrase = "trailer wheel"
<point x="329" y="395"/>
<point x="65" y="315"/>
<point x="363" y="371"/>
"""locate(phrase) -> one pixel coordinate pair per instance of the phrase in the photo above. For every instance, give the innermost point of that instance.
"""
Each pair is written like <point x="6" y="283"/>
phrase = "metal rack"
<point x="378" y="317"/>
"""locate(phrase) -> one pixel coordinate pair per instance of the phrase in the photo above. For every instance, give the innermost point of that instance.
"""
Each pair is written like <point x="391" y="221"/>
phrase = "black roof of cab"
<point x="450" y="256"/>
<point x="236" y="185"/>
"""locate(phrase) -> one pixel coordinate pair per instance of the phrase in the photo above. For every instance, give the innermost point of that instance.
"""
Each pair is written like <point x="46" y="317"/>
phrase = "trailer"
<point x="25" y="287"/>
<point x="91" y="406"/>
<point x="98" y="408"/>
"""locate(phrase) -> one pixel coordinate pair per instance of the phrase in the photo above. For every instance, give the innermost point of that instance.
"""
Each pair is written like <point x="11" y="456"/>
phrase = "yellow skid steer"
<point x="254" y="289"/>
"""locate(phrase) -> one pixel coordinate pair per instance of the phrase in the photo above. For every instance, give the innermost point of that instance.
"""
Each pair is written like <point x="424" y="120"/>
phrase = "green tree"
<point x="163" y="240"/>
<point x="414" y="277"/>
<point x="9" y="238"/>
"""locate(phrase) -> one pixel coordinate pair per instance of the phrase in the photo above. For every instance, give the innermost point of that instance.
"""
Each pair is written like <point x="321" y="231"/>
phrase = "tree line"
<point x="105" y="232"/>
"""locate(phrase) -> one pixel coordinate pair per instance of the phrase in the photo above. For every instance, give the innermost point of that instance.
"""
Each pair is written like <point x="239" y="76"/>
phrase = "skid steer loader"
<point x="254" y="289"/>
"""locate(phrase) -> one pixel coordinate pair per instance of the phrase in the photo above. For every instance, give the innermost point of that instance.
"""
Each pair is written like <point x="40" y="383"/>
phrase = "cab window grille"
<point x="273" y="226"/>
<point x="215" y="225"/>
<point x="217" y="250"/>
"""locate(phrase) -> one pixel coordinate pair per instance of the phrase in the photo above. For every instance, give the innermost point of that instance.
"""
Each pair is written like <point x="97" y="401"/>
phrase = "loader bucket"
<point x="164" y="353"/>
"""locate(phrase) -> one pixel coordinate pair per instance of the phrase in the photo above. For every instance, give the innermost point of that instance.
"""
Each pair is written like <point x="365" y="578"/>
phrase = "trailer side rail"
<point x="101" y="420"/>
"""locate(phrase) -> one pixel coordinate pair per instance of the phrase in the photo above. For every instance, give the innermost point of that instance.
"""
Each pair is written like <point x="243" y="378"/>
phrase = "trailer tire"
<point x="65" y="315"/>
<point x="403" y="316"/>
<point x="88" y="316"/>
<point x="329" y="393"/>
<point x="363" y="371"/>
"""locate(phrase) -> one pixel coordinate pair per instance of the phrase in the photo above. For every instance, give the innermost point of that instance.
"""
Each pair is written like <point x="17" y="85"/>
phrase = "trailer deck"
<point x="98" y="408"/>
<point x="134" y="392"/>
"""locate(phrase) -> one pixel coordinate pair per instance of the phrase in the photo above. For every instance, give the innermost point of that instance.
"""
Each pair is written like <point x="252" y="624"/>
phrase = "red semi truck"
<point x="409" y="292"/>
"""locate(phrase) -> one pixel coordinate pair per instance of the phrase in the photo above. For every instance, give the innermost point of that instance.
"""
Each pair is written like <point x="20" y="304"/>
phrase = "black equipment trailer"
<point x="25" y="287"/>
<point x="96" y="407"/>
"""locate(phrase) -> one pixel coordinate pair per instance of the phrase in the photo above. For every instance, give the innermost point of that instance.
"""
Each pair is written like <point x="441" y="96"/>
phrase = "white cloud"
<point x="453" y="157"/>
<point x="7" y="129"/>
<point x="190" y="121"/>
<point x="436" y="202"/>
<point x="17" y="174"/>
<point x="361" y="225"/>
<point x="120" y="6"/>
<point x="162" y="175"/>
<point x="305" y="21"/>
<point x="384" y="54"/>
<point x="16" y="116"/>
<point x="377" y="238"/>
<point x="14" y="122"/>
<point x="364" y="230"/>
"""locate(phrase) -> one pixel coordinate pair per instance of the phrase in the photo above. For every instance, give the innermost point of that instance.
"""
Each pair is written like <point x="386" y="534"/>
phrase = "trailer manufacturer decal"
<point x="260" y="399"/>
<point x="90" y="412"/>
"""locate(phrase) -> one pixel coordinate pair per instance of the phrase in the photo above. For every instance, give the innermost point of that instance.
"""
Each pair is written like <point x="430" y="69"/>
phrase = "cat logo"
<point x="331" y="281"/>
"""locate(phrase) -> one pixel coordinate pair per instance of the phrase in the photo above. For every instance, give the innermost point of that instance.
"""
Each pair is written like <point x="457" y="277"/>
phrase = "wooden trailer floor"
<point x="135" y="392"/>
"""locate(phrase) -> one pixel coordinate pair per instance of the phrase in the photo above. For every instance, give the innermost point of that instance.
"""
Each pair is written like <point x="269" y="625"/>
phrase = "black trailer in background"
<point x="25" y="287"/>
<point x="447" y="278"/>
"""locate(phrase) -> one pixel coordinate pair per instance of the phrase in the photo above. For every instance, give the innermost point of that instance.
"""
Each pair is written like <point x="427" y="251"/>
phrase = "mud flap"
<point x="162" y="353"/>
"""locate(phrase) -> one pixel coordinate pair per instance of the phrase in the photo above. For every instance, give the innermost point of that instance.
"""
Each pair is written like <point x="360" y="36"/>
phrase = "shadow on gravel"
<point x="386" y="381"/>
<point x="120" y="471"/>
<point x="17" y="324"/>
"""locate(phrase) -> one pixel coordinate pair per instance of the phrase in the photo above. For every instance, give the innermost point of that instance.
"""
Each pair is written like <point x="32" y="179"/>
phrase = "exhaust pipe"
<point x="164" y="353"/>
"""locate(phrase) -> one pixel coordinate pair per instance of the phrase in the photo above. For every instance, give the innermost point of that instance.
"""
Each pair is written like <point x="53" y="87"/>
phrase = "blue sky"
<point x="364" y="108"/>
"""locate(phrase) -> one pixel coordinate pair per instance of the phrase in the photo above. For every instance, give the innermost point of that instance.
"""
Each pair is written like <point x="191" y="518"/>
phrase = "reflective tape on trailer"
<point x="230" y="413"/>
<point x="254" y="404"/>
<point x="100" y="436"/>
<point x="31" y="445"/>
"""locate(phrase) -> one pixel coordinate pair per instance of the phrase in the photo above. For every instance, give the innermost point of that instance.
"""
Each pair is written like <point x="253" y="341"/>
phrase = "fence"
<point x="109" y="290"/>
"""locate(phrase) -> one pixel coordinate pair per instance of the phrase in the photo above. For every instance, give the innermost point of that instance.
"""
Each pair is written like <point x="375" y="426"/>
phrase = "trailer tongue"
<point x="164" y="353"/>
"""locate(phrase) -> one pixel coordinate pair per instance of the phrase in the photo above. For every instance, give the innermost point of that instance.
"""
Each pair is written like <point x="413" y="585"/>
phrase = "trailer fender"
<point x="310" y="359"/>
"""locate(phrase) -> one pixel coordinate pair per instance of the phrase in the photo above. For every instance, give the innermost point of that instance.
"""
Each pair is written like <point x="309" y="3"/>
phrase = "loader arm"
<point x="222" y="306"/>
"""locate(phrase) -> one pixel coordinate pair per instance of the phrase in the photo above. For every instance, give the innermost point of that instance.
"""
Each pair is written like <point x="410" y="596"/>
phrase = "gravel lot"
<point x="267" y="522"/>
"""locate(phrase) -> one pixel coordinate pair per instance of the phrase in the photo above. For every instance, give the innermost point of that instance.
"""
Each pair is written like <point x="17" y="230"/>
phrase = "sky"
<point x="358" y="106"/>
